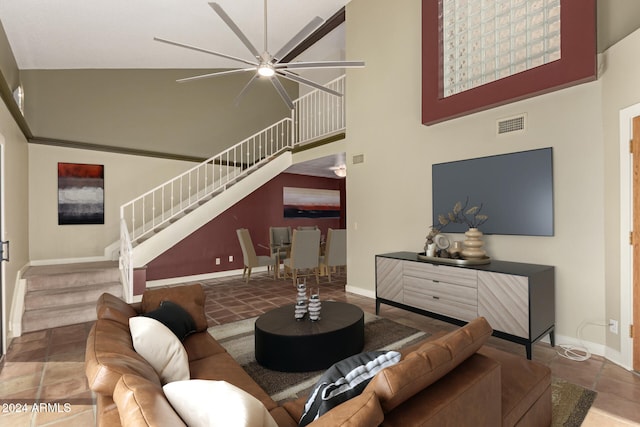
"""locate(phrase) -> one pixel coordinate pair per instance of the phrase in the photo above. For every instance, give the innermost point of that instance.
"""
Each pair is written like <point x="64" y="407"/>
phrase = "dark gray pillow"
<point x="344" y="380"/>
<point x="174" y="317"/>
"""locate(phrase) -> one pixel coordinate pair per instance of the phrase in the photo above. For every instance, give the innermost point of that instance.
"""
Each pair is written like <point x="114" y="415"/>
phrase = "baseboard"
<point x="69" y="260"/>
<point x="198" y="277"/>
<point x="359" y="291"/>
<point x="112" y="251"/>
<point x="593" y="348"/>
<point x="17" y="307"/>
<point x="616" y="357"/>
<point x="187" y="279"/>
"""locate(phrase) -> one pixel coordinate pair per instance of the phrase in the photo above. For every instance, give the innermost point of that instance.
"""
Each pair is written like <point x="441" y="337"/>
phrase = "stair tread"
<point x="57" y="309"/>
<point x="53" y="317"/>
<point x="65" y="294"/>
<point x="61" y="269"/>
<point x="76" y="293"/>
<point x="76" y="289"/>
<point x="63" y="276"/>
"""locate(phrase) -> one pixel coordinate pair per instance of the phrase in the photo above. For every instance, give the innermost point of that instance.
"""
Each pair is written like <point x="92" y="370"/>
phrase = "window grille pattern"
<point x="487" y="40"/>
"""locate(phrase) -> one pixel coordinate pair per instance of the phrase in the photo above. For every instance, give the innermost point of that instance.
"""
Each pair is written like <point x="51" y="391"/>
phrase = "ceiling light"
<point x="266" y="70"/>
<point x="341" y="171"/>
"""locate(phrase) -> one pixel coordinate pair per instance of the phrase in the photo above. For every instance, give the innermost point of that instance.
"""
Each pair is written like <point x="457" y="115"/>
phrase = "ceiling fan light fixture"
<point x="341" y="171"/>
<point x="266" y="70"/>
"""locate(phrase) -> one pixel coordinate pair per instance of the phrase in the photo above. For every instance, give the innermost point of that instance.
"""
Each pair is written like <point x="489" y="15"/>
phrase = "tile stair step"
<point x="161" y="227"/>
<point x="205" y="199"/>
<point x="35" y="300"/>
<point x="35" y="320"/>
<point x="142" y="239"/>
<point x="64" y="276"/>
<point x="177" y="217"/>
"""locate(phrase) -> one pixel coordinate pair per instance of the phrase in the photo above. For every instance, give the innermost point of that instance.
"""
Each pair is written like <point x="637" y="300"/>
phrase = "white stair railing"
<point x="126" y="261"/>
<point x="315" y="115"/>
<point x="156" y="208"/>
<point x="319" y="114"/>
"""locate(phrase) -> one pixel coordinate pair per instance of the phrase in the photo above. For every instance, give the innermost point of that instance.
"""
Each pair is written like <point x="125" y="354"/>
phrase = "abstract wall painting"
<point x="311" y="203"/>
<point x="80" y="194"/>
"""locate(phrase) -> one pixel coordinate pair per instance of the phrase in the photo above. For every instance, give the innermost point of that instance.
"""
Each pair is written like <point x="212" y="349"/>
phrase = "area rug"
<point x="570" y="401"/>
<point x="237" y="339"/>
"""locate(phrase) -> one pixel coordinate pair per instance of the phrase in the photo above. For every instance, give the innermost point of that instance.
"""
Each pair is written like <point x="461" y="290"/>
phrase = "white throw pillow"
<point x="160" y="348"/>
<point x="208" y="403"/>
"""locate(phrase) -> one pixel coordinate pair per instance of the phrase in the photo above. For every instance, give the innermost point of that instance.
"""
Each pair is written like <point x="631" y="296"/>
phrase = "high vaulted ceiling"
<point x="87" y="34"/>
<point x="68" y="34"/>
<point x="72" y="34"/>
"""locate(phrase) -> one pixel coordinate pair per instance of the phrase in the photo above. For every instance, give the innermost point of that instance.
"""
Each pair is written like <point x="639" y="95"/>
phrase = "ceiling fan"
<point x="265" y="64"/>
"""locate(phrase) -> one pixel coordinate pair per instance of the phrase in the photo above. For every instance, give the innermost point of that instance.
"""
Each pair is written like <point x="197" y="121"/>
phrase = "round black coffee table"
<point x="289" y="345"/>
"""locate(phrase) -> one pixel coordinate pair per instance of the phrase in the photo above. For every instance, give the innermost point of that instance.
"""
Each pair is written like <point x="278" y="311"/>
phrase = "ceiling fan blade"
<point x="282" y="92"/>
<point x="265" y="38"/>
<point x="238" y="32"/>
<point x="321" y="64"/>
<point x="216" y="74"/>
<point x="298" y="38"/>
<point x="211" y="52"/>
<point x="288" y="75"/>
<point x="236" y="101"/>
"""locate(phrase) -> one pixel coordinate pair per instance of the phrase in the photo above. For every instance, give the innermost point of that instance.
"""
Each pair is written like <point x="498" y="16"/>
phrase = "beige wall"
<point x="384" y="124"/>
<point x="148" y="107"/>
<point x="8" y="66"/>
<point x="15" y="204"/>
<point x="126" y="177"/>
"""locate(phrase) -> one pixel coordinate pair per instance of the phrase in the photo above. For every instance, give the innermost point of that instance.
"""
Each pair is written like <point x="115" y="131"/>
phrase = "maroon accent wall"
<point x="139" y="280"/>
<point x="263" y="208"/>
<point x="577" y="65"/>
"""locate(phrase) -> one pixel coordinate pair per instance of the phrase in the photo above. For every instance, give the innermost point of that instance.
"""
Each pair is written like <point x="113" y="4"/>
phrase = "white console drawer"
<point x="460" y="302"/>
<point x="443" y="273"/>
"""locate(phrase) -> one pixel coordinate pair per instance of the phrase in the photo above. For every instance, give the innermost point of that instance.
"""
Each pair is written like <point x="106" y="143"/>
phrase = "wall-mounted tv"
<point x="515" y="190"/>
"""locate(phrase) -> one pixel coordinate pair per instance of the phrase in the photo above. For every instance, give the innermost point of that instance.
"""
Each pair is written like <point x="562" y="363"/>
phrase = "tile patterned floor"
<point x="45" y="369"/>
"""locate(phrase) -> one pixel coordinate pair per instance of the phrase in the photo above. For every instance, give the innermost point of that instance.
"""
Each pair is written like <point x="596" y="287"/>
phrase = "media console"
<point x="517" y="299"/>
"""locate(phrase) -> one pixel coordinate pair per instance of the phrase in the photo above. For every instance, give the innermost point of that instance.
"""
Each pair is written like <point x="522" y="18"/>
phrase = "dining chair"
<point x="307" y="227"/>
<point x="280" y="241"/>
<point x="305" y="253"/>
<point x="335" y="254"/>
<point x="252" y="260"/>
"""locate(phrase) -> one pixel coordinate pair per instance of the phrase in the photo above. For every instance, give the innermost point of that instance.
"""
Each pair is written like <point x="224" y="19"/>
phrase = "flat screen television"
<point x="515" y="190"/>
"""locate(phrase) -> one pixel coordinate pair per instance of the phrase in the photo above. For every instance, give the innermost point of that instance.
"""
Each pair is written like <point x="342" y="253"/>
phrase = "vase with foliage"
<point x="473" y="218"/>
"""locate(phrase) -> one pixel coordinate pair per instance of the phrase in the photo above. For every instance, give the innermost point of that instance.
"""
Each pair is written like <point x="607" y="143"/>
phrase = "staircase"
<point x="66" y="294"/>
<point x="156" y="220"/>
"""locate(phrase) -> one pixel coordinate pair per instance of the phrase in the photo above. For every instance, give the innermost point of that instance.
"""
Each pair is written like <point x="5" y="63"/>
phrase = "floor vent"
<point x="511" y="124"/>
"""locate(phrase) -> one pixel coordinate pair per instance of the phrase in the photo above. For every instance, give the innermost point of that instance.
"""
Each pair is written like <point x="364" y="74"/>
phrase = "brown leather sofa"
<point x="452" y="379"/>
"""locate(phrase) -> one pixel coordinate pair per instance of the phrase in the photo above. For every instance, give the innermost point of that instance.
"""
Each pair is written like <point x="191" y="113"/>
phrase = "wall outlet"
<point x="613" y="326"/>
<point x="230" y="258"/>
<point x="217" y="261"/>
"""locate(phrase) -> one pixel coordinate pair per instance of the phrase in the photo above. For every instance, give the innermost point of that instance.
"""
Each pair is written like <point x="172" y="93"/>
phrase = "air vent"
<point x="511" y="124"/>
<point x="358" y="158"/>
